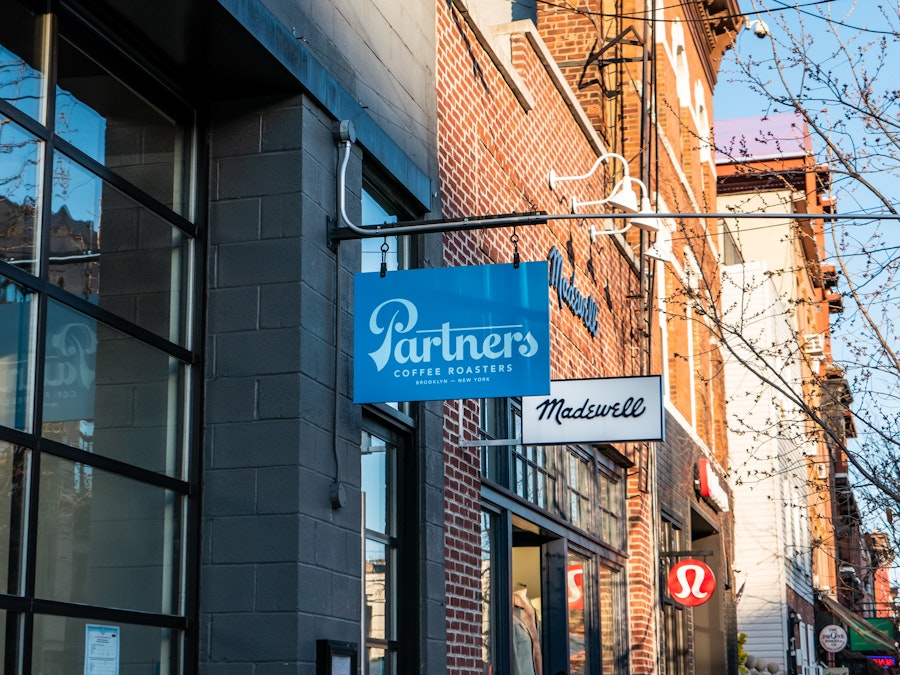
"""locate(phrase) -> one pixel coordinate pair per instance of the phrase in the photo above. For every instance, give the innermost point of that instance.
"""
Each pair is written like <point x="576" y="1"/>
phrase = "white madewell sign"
<point x="606" y="410"/>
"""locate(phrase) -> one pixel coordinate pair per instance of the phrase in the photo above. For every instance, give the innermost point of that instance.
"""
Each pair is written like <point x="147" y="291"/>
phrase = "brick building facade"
<point x="178" y="183"/>
<point x="516" y="101"/>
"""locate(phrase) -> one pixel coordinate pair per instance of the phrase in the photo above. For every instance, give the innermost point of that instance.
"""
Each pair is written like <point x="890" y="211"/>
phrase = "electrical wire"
<point x="834" y="21"/>
<point x="642" y="15"/>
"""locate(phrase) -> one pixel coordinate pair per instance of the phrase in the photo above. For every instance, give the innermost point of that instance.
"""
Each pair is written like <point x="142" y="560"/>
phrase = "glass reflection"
<point x="106" y="540"/>
<point x="379" y="485"/>
<point x="613" y="631"/>
<point x="373" y="212"/>
<point x="535" y="474"/>
<point x="107" y="249"/>
<point x="20" y="159"/>
<point x="21" y="79"/>
<point x="59" y="643"/>
<point x="489" y="611"/>
<point x="14" y="463"/>
<point x="612" y="500"/>
<point x="579" y="488"/>
<point x="379" y="587"/>
<point x="379" y="661"/>
<point x="107" y="393"/>
<point x="112" y="124"/>
<point x="377" y="482"/>
<point x="578" y="583"/>
<point x="75" y="229"/>
<point x="16" y="355"/>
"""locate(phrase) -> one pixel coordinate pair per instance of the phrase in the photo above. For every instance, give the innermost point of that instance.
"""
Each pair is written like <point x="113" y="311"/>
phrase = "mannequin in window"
<point x="526" y="637"/>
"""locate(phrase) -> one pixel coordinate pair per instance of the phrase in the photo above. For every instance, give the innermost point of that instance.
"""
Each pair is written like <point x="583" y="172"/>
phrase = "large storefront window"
<point x="379" y="485"/>
<point x="390" y="565"/>
<point x="613" y="620"/>
<point x="578" y="578"/>
<point x="97" y="346"/>
<point x="553" y="597"/>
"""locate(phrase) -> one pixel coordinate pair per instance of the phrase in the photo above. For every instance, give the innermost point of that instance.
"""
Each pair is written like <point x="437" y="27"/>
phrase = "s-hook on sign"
<point x="451" y="332"/>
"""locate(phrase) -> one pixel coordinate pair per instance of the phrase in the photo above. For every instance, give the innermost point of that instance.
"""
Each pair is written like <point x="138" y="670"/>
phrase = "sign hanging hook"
<point x="384" y="249"/>
<point x="515" y="242"/>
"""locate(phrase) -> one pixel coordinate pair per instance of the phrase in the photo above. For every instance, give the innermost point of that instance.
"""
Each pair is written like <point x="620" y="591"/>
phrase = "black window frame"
<point x="396" y="428"/>
<point x="501" y="453"/>
<point x="676" y="654"/>
<point x="138" y="70"/>
<point x="553" y="531"/>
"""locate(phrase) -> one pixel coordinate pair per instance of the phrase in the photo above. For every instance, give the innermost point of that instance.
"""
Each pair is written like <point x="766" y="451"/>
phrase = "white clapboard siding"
<point x="767" y="473"/>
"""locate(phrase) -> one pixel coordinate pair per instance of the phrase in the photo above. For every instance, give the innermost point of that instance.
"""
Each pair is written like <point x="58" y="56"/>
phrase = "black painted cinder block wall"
<point x="279" y="567"/>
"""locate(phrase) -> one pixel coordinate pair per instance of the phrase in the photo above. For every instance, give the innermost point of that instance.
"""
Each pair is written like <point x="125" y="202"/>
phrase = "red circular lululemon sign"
<point x="691" y="582"/>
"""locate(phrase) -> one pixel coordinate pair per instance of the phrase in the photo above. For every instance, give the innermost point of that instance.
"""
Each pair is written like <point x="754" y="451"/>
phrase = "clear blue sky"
<point x="860" y="20"/>
<point x="732" y="99"/>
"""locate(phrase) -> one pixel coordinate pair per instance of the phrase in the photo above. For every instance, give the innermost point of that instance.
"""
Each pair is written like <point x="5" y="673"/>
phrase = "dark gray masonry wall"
<point x="279" y="567"/>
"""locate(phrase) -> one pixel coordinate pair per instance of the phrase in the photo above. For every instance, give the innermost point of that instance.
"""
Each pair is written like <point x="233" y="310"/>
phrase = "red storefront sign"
<point x="691" y="582"/>
<point x="710" y="486"/>
<point x="576" y="586"/>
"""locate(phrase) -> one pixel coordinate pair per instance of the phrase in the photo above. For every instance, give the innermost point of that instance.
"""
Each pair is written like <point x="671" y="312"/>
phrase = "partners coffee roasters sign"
<point x="606" y="410"/>
<point x="451" y="332"/>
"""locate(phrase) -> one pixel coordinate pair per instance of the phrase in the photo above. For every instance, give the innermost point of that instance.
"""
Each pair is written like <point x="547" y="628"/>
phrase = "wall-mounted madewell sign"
<point x="607" y="410"/>
<point x="583" y="306"/>
<point x="451" y="332"/>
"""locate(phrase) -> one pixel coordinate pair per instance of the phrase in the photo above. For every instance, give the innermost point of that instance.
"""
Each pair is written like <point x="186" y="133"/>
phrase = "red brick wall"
<point x="494" y="157"/>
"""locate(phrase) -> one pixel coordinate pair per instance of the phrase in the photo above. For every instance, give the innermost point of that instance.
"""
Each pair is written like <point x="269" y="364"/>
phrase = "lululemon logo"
<point x="691" y="582"/>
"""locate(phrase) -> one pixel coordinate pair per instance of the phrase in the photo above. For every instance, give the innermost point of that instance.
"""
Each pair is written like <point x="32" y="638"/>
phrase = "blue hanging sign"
<point x="451" y="332"/>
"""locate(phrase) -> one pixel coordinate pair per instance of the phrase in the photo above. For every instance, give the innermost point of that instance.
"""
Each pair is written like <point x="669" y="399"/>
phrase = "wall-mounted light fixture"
<point x="662" y="247"/>
<point x="624" y="196"/>
<point x="759" y="27"/>
<point x="553" y="179"/>
<point x="645" y="219"/>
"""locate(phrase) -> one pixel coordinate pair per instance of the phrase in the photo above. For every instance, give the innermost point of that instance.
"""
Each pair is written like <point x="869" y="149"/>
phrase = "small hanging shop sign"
<point x="691" y="582"/>
<point x="833" y="638"/>
<point x="605" y="410"/>
<point x="451" y="332"/>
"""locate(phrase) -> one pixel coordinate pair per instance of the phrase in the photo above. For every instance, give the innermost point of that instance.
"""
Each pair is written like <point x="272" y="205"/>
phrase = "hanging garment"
<point x="524" y="610"/>
<point x="523" y="654"/>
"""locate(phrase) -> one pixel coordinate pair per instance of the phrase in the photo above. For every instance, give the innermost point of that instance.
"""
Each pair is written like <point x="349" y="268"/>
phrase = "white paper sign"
<point x="101" y="650"/>
<point x="340" y="665"/>
<point x="607" y="410"/>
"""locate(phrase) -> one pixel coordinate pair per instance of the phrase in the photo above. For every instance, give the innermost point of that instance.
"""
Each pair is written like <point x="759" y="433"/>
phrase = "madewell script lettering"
<point x="583" y="306"/>
<point x="396" y="319"/>
<point x="556" y="409"/>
